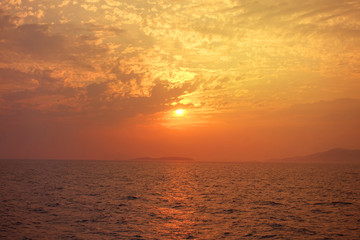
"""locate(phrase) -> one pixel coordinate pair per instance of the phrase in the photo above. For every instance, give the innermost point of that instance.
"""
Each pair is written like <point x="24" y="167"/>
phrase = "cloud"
<point x="237" y="52"/>
<point x="121" y="107"/>
<point x="338" y="110"/>
<point x="6" y="20"/>
<point x="12" y="80"/>
<point x="49" y="97"/>
<point x="36" y="41"/>
<point x="244" y="70"/>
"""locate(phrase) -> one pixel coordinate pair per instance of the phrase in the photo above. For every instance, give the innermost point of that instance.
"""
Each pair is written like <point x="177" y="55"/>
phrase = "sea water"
<point x="42" y="199"/>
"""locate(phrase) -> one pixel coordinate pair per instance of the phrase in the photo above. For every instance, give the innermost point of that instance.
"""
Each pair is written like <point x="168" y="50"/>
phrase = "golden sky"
<point x="101" y="79"/>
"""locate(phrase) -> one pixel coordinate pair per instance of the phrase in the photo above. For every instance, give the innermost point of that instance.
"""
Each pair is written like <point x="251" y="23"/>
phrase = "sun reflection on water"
<point x="178" y="212"/>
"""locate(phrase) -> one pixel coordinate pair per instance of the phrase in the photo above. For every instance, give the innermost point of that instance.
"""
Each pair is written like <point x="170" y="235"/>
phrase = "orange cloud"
<point x="234" y="66"/>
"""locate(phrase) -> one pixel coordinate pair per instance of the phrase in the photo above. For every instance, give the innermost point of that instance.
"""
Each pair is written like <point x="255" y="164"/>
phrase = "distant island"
<point x="164" y="159"/>
<point x="335" y="155"/>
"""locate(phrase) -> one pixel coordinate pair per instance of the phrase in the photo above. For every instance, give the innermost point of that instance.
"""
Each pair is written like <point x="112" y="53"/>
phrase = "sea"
<point x="63" y="199"/>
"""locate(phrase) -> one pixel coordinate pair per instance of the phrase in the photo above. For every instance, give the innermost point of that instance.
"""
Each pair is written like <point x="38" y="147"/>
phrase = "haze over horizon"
<point x="102" y="79"/>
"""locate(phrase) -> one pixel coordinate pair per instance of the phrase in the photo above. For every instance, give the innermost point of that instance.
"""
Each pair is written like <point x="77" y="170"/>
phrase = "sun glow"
<point x="179" y="112"/>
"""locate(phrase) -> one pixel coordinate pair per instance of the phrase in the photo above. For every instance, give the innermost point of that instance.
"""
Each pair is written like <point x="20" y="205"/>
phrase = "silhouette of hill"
<point x="165" y="159"/>
<point x="335" y="155"/>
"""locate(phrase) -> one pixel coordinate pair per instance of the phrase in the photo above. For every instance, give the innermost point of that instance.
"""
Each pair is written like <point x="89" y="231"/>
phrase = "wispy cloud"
<point x="117" y="61"/>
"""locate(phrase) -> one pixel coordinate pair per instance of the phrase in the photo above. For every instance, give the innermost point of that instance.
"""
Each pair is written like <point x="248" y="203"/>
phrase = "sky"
<point x="102" y="79"/>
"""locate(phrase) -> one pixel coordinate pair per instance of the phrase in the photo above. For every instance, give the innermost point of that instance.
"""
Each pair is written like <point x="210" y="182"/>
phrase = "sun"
<point x="179" y="112"/>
